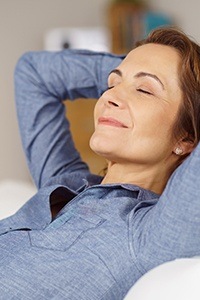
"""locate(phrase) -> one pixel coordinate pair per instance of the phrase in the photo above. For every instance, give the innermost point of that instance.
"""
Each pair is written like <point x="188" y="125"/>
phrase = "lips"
<point x="111" y="122"/>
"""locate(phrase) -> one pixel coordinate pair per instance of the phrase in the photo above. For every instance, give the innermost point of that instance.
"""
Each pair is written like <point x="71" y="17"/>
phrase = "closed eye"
<point x="144" y="91"/>
<point x="108" y="88"/>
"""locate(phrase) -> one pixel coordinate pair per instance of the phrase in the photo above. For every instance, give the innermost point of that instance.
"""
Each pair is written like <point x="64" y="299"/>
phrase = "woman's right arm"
<point x="43" y="80"/>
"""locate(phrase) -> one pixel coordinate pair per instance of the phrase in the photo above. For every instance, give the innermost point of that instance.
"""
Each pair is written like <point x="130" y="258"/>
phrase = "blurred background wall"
<point x="23" y="25"/>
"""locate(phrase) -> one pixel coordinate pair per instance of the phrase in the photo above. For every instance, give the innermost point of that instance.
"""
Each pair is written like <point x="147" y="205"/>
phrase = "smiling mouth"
<point x="111" y="122"/>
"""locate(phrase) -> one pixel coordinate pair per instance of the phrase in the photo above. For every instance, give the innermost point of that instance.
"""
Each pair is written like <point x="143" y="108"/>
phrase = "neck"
<point x="148" y="177"/>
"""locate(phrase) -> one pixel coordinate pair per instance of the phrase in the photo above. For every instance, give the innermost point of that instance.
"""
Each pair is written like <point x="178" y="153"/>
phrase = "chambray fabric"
<point x="106" y="236"/>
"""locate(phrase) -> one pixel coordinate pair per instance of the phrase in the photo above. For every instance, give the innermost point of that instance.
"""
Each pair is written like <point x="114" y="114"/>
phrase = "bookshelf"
<point x="126" y="25"/>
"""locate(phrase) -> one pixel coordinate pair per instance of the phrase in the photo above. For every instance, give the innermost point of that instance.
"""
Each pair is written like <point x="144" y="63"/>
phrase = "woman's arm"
<point x="170" y="229"/>
<point x="42" y="81"/>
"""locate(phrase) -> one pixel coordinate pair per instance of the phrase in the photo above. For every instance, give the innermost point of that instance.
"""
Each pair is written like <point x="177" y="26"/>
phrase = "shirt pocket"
<point x="63" y="237"/>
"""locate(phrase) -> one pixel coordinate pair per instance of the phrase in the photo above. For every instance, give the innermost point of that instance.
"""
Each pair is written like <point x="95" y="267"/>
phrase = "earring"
<point x="178" y="151"/>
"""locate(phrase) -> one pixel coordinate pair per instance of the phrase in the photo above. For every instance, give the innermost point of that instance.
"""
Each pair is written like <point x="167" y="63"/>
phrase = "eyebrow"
<point x="116" y="71"/>
<point x="145" y="74"/>
<point x="141" y="74"/>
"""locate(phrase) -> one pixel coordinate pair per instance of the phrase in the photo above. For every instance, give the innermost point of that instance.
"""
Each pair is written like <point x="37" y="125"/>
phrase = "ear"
<point x="183" y="147"/>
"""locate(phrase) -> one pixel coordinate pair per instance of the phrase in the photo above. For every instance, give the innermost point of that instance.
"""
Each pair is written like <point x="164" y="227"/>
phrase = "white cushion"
<point x="13" y="194"/>
<point x="176" y="280"/>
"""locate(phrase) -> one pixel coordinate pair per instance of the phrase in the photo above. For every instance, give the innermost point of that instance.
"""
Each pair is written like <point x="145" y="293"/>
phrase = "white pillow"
<point x="176" y="280"/>
<point x="13" y="194"/>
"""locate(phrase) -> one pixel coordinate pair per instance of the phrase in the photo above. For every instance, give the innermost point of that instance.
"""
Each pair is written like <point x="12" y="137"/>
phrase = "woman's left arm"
<point x="171" y="228"/>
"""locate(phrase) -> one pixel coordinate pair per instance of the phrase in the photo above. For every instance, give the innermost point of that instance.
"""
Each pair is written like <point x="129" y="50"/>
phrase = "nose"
<point x="115" y="97"/>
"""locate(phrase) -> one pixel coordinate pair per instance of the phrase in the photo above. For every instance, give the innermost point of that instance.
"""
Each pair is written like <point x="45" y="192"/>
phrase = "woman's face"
<point x="134" y="118"/>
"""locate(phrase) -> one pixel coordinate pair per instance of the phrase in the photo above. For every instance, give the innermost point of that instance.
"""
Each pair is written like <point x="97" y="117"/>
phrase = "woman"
<point x="104" y="233"/>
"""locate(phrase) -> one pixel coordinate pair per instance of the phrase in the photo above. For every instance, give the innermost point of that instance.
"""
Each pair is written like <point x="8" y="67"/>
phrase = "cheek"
<point x="95" y="115"/>
<point x="97" y="111"/>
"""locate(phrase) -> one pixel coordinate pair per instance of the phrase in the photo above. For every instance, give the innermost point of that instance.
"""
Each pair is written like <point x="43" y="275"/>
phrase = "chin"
<point x="100" y="146"/>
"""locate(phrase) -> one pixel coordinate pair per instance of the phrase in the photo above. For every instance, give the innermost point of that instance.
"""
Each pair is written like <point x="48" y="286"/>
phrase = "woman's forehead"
<point x="153" y="52"/>
<point x="159" y="59"/>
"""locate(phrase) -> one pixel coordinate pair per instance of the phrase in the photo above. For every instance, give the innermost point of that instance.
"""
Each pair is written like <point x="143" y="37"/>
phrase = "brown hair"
<point x="188" y="120"/>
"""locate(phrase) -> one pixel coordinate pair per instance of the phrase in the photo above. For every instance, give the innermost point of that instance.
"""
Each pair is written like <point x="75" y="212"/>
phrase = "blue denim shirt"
<point x="106" y="236"/>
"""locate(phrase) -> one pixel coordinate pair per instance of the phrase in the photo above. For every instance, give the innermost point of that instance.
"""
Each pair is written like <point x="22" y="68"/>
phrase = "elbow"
<point x="23" y="63"/>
